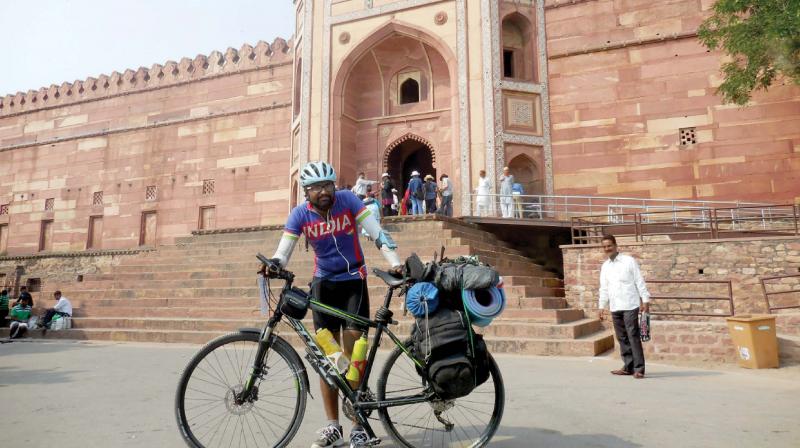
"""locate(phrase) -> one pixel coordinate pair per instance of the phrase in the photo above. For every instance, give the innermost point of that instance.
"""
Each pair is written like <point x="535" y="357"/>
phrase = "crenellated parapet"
<point x="170" y="73"/>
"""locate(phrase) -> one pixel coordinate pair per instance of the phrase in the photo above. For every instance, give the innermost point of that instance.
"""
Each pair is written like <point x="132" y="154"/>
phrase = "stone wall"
<point x="152" y="140"/>
<point x="58" y="271"/>
<point x="626" y="76"/>
<point x="742" y="261"/>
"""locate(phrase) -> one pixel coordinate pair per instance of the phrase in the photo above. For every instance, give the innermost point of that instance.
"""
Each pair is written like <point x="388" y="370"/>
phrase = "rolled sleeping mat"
<point x="483" y="305"/>
<point x="421" y="296"/>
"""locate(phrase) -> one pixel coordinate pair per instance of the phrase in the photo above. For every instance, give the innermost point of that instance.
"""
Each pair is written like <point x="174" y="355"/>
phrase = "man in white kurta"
<point x="622" y="288"/>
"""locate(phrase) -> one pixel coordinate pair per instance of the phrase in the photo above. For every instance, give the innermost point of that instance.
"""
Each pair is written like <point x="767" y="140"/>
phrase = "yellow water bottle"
<point x="358" y="364"/>
<point x="328" y="344"/>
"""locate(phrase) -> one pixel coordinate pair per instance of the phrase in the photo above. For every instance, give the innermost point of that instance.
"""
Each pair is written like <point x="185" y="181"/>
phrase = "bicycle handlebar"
<point x="274" y="270"/>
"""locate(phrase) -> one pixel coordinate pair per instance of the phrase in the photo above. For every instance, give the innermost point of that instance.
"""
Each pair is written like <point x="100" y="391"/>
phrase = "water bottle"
<point x="358" y="364"/>
<point x="331" y="348"/>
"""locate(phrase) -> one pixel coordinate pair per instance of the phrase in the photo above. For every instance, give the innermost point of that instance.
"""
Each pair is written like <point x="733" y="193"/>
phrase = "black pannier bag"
<point x="445" y="342"/>
<point x="294" y="303"/>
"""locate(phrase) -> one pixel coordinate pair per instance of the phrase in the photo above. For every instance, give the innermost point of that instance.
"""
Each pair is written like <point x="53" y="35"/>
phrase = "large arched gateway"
<point x="393" y="103"/>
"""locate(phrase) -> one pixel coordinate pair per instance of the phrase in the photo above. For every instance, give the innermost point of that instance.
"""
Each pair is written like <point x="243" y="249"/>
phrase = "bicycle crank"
<point x="350" y="412"/>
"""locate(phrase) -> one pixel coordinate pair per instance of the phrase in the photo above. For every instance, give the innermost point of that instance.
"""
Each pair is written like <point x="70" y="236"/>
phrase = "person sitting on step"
<point x="63" y="308"/>
<point x="19" y="316"/>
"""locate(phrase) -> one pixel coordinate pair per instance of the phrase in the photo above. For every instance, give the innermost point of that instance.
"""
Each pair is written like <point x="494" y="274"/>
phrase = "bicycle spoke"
<point x="209" y="406"/>
<point x="474" y="417"/>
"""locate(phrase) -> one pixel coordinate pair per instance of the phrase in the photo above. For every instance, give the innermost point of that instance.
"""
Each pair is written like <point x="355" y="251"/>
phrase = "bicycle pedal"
<point x="371" y="442"/>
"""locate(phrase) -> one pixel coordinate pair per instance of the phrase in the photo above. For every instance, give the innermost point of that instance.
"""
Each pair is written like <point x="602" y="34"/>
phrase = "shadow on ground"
<point x="516" y="437"/>
<point x="38" y="346"/>
<point x="13" y="376"/>
<point x="681" y="374"/>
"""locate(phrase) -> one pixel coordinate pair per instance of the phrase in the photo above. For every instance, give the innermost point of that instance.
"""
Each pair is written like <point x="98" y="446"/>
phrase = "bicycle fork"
<point x="250" y="392"/>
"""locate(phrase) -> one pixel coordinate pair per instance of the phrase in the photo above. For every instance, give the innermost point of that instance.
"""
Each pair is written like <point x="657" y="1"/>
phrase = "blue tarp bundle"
<point x="481" y="305"/>
<point x="420" y="296"/>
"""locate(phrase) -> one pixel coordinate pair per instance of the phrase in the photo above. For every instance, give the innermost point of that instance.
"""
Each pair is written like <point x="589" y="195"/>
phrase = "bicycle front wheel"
<point x="469" y="421"/>
<point x="205" y="405"/>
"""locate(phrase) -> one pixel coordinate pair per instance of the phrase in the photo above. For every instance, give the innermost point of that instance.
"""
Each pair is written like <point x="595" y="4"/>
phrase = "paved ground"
<point x="121" y="395"/>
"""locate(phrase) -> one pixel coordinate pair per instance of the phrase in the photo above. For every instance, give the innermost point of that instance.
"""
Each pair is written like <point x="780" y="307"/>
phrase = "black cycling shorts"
<point x="350" y="296"/>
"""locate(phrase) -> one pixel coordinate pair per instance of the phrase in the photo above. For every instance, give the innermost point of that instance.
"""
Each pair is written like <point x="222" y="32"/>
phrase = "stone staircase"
<point x="205" y="285"/>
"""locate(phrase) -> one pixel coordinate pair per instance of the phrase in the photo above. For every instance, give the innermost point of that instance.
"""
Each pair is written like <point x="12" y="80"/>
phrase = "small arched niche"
<point x="409" y="91"/>
<point x="519" y="54"/>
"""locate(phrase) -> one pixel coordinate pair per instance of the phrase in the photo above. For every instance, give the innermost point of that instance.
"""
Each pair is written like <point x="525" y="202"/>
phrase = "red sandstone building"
<point x="592" y="97"/>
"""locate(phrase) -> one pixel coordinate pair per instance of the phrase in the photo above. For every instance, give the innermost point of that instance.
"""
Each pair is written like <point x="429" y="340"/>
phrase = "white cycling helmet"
<point x="315" y="172"/>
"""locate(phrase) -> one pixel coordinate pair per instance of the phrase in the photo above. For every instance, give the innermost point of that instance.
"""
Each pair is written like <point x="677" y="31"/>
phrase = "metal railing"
<point x="711" y="223"/>
<point x="564" y="208"/>
<point x="767" y="294"/>
<point x="684" y="285"/>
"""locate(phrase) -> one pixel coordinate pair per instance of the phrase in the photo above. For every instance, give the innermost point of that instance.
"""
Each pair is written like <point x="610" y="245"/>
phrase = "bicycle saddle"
<point x="388" y="278"/>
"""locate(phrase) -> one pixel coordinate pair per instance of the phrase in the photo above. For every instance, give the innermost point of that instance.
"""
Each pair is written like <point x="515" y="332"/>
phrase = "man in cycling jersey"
<point x="329" y="220"/>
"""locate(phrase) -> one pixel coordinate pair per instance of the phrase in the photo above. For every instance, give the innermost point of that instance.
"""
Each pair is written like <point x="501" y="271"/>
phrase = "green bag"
<point x="20" y="313"/>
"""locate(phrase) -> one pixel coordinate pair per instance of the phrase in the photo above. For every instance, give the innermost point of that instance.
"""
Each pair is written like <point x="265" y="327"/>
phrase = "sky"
<point x="44" y="42"/>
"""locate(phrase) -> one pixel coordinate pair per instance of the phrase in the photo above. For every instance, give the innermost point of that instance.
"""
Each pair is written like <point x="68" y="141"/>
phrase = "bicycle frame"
<point x="325" y="367"/>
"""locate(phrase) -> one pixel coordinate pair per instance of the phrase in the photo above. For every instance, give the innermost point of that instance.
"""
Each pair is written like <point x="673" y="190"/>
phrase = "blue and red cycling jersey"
<point x="337" y="251"/>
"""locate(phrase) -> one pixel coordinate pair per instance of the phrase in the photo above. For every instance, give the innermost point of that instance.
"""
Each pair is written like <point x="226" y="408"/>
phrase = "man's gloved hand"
<point x="275" y="266"/>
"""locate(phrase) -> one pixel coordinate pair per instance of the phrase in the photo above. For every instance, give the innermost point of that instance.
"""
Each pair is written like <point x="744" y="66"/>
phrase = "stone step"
<point x="584" y="346"/>
<point x="499" y="328"/>
<point x="110" y="282"/>
<point x="253" y="312"/>
<point x="591" y="345"/>
<point x="199" y="261"/>
<point x="416" y="239"/>
<point x="542" y="303"/>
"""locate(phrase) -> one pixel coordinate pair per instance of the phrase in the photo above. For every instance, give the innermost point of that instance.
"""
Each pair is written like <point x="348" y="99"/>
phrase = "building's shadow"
<point x="31" y="346"/>
<point x="10" y="376"/>
<point x="516" y="437"/>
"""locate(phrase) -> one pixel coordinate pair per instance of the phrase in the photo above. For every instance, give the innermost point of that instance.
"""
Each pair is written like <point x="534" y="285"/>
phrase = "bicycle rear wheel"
<point x="207" y="413"/>
<point x="474" y="418"/>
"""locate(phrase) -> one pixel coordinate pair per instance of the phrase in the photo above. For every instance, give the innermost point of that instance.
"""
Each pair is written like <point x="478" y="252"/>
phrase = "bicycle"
<point x="266" y="403"/>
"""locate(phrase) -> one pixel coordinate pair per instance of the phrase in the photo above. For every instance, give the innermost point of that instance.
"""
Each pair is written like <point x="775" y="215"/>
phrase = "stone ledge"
<point x="73" y="254"/>
<point x="661" y="243"/>
<point x="388" y="220"/>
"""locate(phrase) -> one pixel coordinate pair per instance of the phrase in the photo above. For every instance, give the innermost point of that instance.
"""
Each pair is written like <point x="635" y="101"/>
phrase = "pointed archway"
<point x="407" y="154"/>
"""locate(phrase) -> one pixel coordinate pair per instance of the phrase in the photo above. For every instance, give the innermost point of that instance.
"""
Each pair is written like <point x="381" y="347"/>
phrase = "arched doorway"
<point x="526" y="173"/>
<point x="408" y="156"/>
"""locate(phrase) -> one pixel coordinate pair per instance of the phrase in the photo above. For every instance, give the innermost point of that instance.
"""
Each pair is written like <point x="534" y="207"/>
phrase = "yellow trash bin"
<point x="755" y="340"/>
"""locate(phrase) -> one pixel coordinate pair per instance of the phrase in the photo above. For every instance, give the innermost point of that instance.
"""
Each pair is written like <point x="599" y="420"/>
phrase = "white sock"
<point x="334" y="423"/>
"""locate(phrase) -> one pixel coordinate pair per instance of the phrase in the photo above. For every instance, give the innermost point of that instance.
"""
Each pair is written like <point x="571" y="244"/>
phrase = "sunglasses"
<point x="316" y="188"/>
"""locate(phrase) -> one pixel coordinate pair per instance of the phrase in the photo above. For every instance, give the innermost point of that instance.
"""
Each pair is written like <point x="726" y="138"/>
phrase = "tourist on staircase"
<point x="395" y="203"/>
<point x="416" y="187"/>
<point x="446" y="192"/>
<point x="622" y="288"/>
<point x="506" y="193"/>
<point x="483" y="201"/>
<point x="431" y="192"/>
<point x="387" y="198"/>
<point x="360" y="188"/>
<point x="328" y="221"/>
